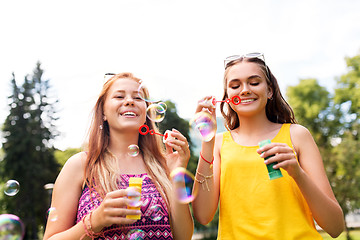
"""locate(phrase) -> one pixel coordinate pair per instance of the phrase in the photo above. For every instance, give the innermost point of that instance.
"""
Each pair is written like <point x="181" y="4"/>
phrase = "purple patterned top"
<point x="154" y="222"/>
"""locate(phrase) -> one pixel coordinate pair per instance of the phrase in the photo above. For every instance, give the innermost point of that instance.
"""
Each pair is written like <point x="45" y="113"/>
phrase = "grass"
<point x="354" y="234"/>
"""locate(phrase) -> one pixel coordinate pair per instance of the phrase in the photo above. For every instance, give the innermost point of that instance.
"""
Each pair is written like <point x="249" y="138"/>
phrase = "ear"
<point x="104" y="118"/>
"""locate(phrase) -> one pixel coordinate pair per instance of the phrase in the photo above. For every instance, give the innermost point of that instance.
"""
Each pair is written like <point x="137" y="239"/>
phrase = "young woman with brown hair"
<point x="251" y="205"/>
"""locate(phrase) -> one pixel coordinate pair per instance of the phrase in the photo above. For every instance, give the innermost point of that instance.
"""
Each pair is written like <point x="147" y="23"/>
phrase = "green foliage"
<point x="346" y="182"/>
<point x="62" y="156"/>
<point x="334" y="123"/>
<point x="172" y="120"/>
<point x="310" y="103"/>
<point x="28" y="132"/>
<point x="348" y="86"/>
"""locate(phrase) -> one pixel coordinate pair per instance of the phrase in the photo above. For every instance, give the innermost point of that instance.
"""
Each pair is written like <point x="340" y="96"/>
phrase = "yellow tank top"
<point x="254" y="207"/>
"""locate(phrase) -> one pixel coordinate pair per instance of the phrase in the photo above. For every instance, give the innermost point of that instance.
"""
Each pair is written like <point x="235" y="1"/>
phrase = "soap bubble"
<point x="163" y="105"/>
<point x="135" y="234"/>
<point x="133" y="150"/>
<point x="11" y="227"/>
<point x="12" y="187"/>
<point x="183" y="181"/>
<point x="155" y="112"/>
<point x="204" y="124"/>
<point x="134" y="196"/>
<point x="156" y="212"/>
<point x="52" y="214"/>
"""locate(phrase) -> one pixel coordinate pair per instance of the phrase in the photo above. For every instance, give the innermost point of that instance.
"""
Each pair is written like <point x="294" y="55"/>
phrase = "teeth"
<point x="129" y="114"/>
<point x="247" y="100"/>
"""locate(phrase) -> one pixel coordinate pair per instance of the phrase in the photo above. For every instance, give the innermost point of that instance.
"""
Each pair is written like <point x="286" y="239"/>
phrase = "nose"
<point x="245" y="91"/>
<point x="129" y="101"/>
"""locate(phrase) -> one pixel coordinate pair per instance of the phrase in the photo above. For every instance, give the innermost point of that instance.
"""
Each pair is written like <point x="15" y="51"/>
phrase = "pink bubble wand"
<point x="236" y="100"/>
<point x="151" y="132"/>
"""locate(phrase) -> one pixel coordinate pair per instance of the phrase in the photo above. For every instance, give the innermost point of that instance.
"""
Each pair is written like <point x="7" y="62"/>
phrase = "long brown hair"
<point x="277" y="109"/>
<point x="101" y="168"/>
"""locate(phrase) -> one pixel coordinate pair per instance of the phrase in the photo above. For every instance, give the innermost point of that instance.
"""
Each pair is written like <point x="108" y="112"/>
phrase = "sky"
<point x="176" y="47"/>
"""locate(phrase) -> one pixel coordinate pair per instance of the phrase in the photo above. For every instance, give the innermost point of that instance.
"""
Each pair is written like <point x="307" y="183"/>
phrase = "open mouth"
<point x="128" y="114"/>
<point x="247" y="100"/>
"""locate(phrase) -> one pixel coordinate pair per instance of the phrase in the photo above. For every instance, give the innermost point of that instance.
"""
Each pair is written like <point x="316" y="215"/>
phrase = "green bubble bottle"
<point x="273" y="173"/>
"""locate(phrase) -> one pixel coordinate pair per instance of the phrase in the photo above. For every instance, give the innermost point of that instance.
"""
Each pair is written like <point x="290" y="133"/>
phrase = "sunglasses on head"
<point x="257" y="55"/>
<point x="107" y="76"/>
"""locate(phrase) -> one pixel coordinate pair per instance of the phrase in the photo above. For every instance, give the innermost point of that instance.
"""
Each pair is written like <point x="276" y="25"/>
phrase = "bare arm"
<point x="206" y="202"/>
<point x="314" y="184"/>
<point x="66" y="193"/>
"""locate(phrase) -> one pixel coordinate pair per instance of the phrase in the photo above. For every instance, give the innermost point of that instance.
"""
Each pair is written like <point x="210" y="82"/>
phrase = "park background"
<point x="177" y="48"/>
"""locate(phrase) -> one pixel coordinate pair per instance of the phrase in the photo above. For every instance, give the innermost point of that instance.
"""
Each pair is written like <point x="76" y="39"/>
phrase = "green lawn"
<point x="355" y="234"/>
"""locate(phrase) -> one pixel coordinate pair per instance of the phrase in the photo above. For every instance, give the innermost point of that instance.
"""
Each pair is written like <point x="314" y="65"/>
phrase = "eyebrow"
<point x="249" y="78"/>
<point x="123" y="91"/>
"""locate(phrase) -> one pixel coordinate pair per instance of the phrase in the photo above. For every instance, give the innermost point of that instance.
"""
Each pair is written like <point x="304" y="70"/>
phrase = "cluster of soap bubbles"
<point x="11" y="226"/>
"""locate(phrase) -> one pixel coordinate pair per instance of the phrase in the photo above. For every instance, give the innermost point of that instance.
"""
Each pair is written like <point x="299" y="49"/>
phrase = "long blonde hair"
<point x="100" y="169"/>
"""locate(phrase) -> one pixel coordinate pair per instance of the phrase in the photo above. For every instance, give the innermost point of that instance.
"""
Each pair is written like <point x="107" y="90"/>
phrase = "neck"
<point x="120" y="142"/>
<point x="254" y="129"/>
<point x="119" y="148"/>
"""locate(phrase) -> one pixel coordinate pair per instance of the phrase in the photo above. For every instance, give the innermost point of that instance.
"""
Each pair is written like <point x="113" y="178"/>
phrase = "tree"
<point x="346" y="182"/>
<point x="345" y="157"/>
<point x="29" y="132"/>
<point x="347" y="89"/>
<point x="312" y="108"/>
<point x="172" y="120"/>
<point x="334" y="123"/>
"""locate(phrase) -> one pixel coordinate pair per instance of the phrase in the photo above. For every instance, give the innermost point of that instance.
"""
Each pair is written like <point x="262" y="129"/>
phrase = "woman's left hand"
<point x="284" y="155"/>
<point x="177" y="150"/>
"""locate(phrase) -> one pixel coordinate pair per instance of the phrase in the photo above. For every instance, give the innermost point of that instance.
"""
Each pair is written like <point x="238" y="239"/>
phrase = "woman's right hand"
<point x="113" y="210"/>
<point x="205" y="104"/>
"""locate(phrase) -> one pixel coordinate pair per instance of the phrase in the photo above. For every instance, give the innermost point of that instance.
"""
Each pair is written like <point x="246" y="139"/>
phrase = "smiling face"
<point x="123" y="108"/>
<point x="247" y="80"/>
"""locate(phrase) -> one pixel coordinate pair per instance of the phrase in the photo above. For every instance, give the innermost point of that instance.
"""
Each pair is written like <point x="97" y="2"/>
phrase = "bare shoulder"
<point x="218" y="141"/>
<point x="299" y="134"/>
<point x="74" y="168"/>
<point x="76" y="161"/>
<point x="301" y="138"/>
<point x="298" y="130"/>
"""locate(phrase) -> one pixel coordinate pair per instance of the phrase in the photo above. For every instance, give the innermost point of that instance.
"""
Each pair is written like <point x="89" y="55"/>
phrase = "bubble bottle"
<point x="273" y="173"/>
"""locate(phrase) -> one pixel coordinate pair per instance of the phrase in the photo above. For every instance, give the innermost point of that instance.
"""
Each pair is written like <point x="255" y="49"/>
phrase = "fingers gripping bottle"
<point x="273" y="173"/>
<point x="135" y="184"/>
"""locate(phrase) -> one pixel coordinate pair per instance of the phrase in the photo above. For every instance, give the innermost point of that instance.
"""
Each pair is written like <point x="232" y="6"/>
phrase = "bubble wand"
<point x="236" y="100"/>
<point x="152" y="132"/>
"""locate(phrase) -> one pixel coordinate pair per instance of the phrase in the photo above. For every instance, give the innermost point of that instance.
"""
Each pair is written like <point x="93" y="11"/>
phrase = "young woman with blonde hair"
<point x="90" y="196"/>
